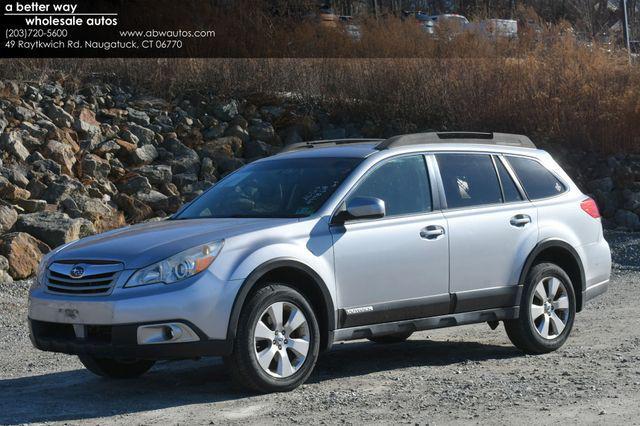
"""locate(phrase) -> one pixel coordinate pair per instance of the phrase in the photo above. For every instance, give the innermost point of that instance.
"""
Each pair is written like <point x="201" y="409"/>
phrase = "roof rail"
<point x="457" y="137"/>
<point x="328" y="142"/>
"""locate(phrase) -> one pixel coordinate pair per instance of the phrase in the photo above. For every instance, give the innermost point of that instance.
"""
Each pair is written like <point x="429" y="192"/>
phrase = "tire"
<point x="391" y="338"/>
<point x="115" y="369"/>
<point x="548" y="296"/>
<point x="264" y="361"/>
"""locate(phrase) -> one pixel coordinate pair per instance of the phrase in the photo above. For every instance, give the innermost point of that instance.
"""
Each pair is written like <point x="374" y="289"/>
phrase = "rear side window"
<point x="509" y="188"/>
<point x="538" y="182"/>
<point x="402" y="184"/>
<point x="469" y="180"/>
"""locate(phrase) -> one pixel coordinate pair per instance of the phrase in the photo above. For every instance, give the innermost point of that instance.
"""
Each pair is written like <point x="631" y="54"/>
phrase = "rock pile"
<point x="613" y="181"/>
<point x="78" y="161"/>
<point x="91" y="157"/>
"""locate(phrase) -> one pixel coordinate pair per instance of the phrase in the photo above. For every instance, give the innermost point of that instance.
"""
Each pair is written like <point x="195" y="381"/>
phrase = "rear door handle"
<point x="520" y="220"/>
<point x="432" y="232"/>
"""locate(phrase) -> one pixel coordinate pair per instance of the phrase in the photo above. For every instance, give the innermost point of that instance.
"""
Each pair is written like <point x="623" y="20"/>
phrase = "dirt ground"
<point x="464" y="375"/>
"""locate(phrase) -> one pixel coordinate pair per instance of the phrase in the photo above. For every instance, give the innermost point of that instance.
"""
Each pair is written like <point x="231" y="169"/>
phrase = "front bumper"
<point x="119" y="341"/>
<point x="203" y="300"/>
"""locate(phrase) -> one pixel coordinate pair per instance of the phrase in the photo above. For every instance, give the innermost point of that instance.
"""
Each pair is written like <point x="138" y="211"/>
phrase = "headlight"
<point x="176" y="268"/>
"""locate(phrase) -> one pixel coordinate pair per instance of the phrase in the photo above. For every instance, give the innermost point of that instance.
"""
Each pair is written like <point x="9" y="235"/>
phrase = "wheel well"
<point x="567" y="261"/>
<point x="306" y="285"/>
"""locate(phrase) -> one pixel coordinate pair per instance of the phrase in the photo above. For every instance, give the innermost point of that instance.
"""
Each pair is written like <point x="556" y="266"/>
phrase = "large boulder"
<point x="59" y="188"/>
<point x="23" y="253"/>
<point x="34" y="130"/>
<point x="9" y="191"/>
<point x="95" y="167"/>
<point x="227" y="147"/>
<point x="145" y="136"/>
<point x="157" y="174"/>
<point x="185" y="159"/>
<point x="32" y="206"/>
<point x="15" y="176"/>
<point x="261" y="130"/>
<point x="139" y="117"/>
<point x="109" y="147"/>
<point x="99" y="213"/>
<point x="62" y="154"/>
<point x="134" y="184"/>
<point x="53" y="228"/>
<point x="11" y="142"/>
<point x="135" y="210"/>
<point x="8" y="217"/>
<point x="23" y="114"/>
<point x="154" y="199"/>
<point x="144" y="155"/>
<point x="87" y="124"/>
<point x="59" y="116"/>
<point x="215" y="130"/>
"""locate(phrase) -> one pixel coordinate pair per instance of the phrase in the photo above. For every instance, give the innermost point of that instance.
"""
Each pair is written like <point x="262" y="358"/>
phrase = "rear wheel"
<point x="547" y="311"/>
<point x="277" y="341"/>
<point x="392" y="338"/>
<point x="116" y="369"/>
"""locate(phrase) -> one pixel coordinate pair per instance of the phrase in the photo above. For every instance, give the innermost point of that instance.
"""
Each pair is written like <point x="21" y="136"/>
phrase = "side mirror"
<point x="365" y="208"/>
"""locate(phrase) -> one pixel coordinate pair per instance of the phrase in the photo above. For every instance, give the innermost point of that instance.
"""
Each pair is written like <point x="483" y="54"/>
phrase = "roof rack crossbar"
<point x="328" y="142"/>
<point x="506" y="139"/>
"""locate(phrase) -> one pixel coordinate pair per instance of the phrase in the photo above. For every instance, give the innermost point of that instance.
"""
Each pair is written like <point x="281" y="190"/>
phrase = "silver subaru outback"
<point x="331" y="241"/>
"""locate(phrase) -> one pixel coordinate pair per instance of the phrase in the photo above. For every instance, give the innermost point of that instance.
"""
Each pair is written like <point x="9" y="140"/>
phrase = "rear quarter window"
<point x="537" y="181"/>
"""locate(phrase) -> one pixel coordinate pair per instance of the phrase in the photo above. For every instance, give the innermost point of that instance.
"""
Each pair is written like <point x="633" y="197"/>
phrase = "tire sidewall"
<point x="538" y="273"/>
<point x="282" y="293"/>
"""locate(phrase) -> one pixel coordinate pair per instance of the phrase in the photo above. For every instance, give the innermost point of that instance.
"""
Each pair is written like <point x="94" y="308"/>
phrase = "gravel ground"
<point x="468" y="374"/>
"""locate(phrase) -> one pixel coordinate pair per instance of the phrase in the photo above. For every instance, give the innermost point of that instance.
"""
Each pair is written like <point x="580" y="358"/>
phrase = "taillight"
<point x="590" y="207"/>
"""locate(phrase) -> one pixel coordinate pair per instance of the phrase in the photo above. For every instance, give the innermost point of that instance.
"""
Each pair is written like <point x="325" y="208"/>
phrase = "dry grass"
<point x="555" y="90"/>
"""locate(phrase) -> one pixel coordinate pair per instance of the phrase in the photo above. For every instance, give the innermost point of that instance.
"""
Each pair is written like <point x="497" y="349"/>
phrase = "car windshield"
<point x="285" y="188"/>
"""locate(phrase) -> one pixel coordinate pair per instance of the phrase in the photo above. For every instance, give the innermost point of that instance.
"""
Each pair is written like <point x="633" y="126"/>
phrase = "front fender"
<point x="262" y="261"/>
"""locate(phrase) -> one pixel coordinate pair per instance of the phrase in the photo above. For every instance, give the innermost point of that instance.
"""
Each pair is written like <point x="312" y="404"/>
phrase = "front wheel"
<point x="547" y="311"/>
<point x="277" y="341"/>
<point x="115" y="369"/>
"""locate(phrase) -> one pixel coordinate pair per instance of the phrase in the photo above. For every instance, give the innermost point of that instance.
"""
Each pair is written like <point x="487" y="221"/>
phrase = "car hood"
<point x="140" y="245"/>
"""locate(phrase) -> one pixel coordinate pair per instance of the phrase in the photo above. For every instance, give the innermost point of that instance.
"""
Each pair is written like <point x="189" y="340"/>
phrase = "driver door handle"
<point x="432" y="232"/>
<point x="520" y="220"/>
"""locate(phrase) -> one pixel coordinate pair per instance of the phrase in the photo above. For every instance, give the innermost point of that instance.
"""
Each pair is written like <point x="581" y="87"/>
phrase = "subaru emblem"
<point x="77" y="271"/>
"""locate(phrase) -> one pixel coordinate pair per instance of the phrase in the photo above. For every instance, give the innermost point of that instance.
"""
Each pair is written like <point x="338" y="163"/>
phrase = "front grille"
<point x="98" y="278"/>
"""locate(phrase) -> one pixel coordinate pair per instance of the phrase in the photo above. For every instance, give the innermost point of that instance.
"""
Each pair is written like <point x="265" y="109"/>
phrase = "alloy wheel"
<point x="281" y="339"/>
<point x="550" y="307"/>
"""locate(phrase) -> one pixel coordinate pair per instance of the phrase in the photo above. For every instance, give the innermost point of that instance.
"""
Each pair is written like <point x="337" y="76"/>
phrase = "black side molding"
<point x="487" y="298"/>
<point x="363" y="332"/>
<point x="395" y="311"/>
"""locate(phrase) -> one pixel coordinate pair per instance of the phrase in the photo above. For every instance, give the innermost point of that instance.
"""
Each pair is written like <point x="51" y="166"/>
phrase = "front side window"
<point x="402" y="183"/>
<point x="469" y="180"/>
<point x="286" y="188"/>
<point x="538" y="182"/>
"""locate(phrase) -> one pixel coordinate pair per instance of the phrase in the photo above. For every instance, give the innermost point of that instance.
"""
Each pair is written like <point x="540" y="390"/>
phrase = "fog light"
<point x="166" y="333"/>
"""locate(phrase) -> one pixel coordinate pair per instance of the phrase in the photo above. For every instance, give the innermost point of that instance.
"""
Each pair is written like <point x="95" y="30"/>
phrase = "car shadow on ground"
<point x="77" y="394"/>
